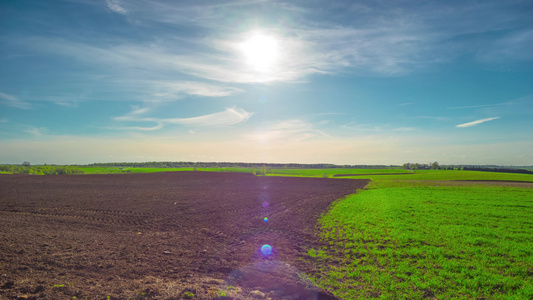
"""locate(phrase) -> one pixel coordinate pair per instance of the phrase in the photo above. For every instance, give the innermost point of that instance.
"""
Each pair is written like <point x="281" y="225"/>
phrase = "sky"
<point x="342" y="82"/>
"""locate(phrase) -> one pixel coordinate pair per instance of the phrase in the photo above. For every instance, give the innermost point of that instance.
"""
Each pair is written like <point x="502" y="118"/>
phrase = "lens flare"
<point x="265" y="204"/>
<point x="266" y="219"/>
<point x="266" y="250"/>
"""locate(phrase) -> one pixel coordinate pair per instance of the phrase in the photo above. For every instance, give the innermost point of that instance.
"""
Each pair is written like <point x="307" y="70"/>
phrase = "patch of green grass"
<point x="441" y="175"/>
<point x="58" y="286"/>
<point x="411" y="242"/>
<point x="222" y="294"/>
<point x="117" y="170"/>
<point x="189" y="295"/>
<point x="451" y="175"/>
<point x="331" y="172"/>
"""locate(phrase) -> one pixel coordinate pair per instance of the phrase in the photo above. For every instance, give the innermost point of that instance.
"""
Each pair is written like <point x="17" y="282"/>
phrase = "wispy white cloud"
<point x="515" y="45"/>
<point x="380" y="40"/>
<point x="303" y="52"/>
<point x="195" y="88"/>
<point x="227" y="117"/>
<point x="433" y="118"/>
<point x="479" y="106"/>
<point x="474" y="123"/>
<point x="230" y="116"/>
<point x="404" y="129"/>
<point x="158" y="125"/>
<point x="357" y="127"/>
<point x="288" y="131"/>
<point x="116" y="6"/>
<point x="13" y="101"/>
<point x="133" y="115"/>
<point x="37" y="131"/>
<point x="400" y="42"/>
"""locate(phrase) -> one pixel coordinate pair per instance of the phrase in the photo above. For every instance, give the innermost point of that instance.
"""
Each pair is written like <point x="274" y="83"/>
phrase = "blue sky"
<point x="345" y="82"/>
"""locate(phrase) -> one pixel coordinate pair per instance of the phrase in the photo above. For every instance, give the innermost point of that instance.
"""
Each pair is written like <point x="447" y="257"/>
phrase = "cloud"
<point x="404" y="129"/>
<point x="433" y="118"/>
<point x="133" y="115"/>
<point x="288" y="131"/>
<point x="304" y="52"/>
<point x="479" y="106"/>
<point x="227" y="117"/>
<point x="36" y="131"/>
<point x="230" y="116"/>
<point x="376" y="39"/>
<point x="515" y="45"/>
<point x="13" y="101"/>
<point x="156" y="127"/>
<point x="474" y="123"/>
<point x="353" y="126"/>
<point x="115" y="6"/>
<point x="195" y="88"/>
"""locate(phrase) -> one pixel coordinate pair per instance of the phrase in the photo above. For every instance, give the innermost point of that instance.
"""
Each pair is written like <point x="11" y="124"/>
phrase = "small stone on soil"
<point x="257" y="294"/>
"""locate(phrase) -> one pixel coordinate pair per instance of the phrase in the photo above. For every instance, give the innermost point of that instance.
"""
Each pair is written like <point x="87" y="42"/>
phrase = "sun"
<point x="260" y="51"/>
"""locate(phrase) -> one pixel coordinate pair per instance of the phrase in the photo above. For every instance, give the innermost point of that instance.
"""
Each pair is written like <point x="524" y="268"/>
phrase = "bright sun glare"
<point x="261" y="51"/>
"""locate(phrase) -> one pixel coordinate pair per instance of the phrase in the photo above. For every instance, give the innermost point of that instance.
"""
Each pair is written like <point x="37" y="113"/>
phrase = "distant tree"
<point x="435" y="165"/>
<point x="26" y="164"/>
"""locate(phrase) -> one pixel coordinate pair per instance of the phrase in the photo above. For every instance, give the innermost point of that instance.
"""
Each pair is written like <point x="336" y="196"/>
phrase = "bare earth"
<point x="161" y="235"/>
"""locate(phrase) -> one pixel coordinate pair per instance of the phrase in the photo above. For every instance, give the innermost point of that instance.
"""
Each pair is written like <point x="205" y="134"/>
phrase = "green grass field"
<point x="117" y="170"/>
<point x="399" y="240"/>
<point x="436" y="175"/>
<point x="452" y="175"/>
<point x="331" y="172"/>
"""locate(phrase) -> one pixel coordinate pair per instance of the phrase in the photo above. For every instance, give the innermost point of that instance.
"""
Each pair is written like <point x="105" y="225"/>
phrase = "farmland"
<point x="444" y="234"/>
<point x="374" y="174"/>
<point x="429" y="240"/>
<point x="161" y="235"/>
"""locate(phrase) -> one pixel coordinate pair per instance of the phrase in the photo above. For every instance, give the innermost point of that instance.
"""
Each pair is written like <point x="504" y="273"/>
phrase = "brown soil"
<point x="523" y="184"/>
<point x="161" y="235"/>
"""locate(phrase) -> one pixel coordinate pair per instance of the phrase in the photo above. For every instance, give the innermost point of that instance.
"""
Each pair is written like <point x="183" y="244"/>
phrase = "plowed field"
<point x="161" y="235"/>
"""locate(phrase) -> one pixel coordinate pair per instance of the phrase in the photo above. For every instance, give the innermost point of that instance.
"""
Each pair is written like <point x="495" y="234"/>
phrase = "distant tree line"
<point x="183" y="164"/>
<point x="436" y="166"/>
<point x="418" y="166"/>
<point x="503" y="170"/>
<point x="26" y="168"/>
